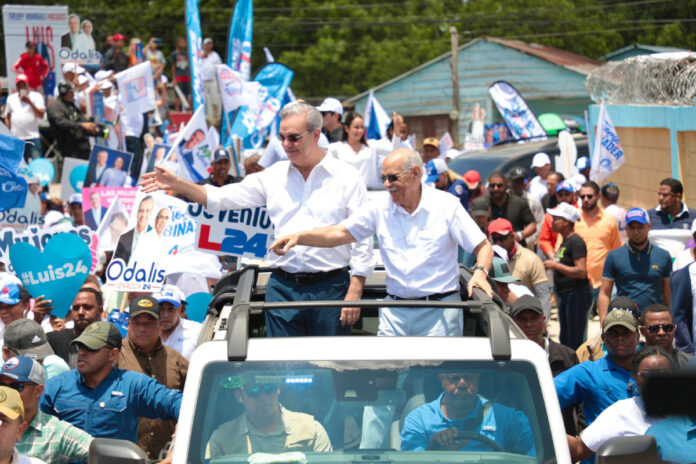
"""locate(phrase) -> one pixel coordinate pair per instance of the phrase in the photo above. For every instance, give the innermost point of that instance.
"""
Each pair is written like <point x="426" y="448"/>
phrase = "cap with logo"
<point x="169" y="294"/>
<point x="9" y="289"/>
<point x="500" y="272"/>
<point x="432" y="141"/>
<point x="434" y="168"/>
<point x="99" y="334"/>
<point x="565" y="186"/>
<point x="526" y="302"/>
<point x="331" y="105"/>
<point x="26" y="337"/>
<point x="24" y="369"/>
<point x="11" y="403"/>
<point x="624" y="303"/>
<point x="566" y="211"/>
<point x="638" y="215"/>
<point x="517" y="173"/>
<point x="619" y="317"/>
<point x="221" y="154"/>
<point x="540" y="159"/>
<point x="75" y="198"/>
<point x="500" y="226"/>
<point x="582" y="163"/>
<point x="479" y="207"/>
<point x="144" y="304"/>
<point x="472" y="178"/>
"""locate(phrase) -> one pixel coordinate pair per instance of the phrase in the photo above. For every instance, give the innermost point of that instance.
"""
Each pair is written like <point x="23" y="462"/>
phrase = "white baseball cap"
<point x="102" y="74"/>
<point x="566" y="211"/>
<point x="73" y="67"/>
<point x="105" y="85"/>
<point x="540" y="159"/>
<point x="331" y="104"/>
<point x="170" y="294"/>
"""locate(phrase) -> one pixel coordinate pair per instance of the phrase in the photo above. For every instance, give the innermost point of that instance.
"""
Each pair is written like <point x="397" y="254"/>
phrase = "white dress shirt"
<point x="365" y="161"/>
<point x="419" y="250"/>
<point x="184" y="337"/>
<point x="624" y="418"/>
<point x="332" y="192"/>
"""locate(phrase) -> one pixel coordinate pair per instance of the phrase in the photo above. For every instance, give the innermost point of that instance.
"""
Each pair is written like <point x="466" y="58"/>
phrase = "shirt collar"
<point x="685" y="210"/>
<point x="393" y="207"/>
<point x="328" y="163"/>
<point x="645" y="250"/>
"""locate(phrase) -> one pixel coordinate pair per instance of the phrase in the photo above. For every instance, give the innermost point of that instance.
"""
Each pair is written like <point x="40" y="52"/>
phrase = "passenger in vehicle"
<point x="461" y="419"/>
<point x="266" y="426"/>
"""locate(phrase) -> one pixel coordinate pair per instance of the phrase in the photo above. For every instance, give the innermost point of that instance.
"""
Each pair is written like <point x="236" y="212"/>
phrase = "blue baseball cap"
<point x="24" y="369"/>
<point x="434" y="168"/>
<point x="9" y="289"/>
<point x="638" y="215"/>
<point x="565" y="186"/>
<point x="169" y="294"/>
<point x="582" y="163"/>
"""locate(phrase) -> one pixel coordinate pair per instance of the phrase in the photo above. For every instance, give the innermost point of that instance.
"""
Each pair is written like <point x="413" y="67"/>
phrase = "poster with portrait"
<point x="107" y="167"/>
<point x="159" y="231"/>
<point x="192" y="148"/>
<point x="96" y="202"/>
<point x="77" y="43"/>
<point x="157" y="155"/>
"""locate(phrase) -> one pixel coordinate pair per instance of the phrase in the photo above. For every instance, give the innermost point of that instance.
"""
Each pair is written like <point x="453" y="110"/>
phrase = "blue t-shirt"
<point x="676" y="439"/>
<point x="638" y="274"/>
<point x="112" y="409"/>
<point x="508" y="427"/>
<point x="459" y="190"/>
<point x="596" y="384"/>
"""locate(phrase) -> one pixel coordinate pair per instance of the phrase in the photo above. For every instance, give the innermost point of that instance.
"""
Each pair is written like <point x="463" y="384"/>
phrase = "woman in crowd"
<point x="354" y="150"/>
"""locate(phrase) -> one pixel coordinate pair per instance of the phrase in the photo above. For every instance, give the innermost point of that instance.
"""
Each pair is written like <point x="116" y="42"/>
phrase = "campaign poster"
<point x="107" y="167"/>
<point x="73" y="177"/>
<point x="157" y="155"/>
<point x="159" y="230"/>
<point x="41" y="24"/>
<point x="239" y="232"/>
<point x="77" y="44"/>
<point x="97" y="200"/>
<point x="192" y="148"/>
<point x="30" y="213"/>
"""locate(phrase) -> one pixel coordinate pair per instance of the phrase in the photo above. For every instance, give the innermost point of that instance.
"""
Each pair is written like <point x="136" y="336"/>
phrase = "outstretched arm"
<point x="322" y="237"/>
<point x="164" y="179"/>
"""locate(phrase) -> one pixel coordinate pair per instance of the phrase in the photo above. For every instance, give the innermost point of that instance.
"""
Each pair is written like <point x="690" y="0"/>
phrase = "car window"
<point x="374" y="410"/>
<point x="485" y="165"/>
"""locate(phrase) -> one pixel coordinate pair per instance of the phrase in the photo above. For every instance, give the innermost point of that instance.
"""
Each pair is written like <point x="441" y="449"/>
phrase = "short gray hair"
<point x="314" y="119"/>
<point x="412" y="159"/>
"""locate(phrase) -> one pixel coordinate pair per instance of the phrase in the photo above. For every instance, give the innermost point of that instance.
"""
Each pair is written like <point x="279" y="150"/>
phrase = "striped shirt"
<point x="54" y="440"/>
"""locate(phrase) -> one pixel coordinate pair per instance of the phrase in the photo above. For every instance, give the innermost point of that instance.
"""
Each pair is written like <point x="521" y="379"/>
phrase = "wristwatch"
<point x="481" y="268"/>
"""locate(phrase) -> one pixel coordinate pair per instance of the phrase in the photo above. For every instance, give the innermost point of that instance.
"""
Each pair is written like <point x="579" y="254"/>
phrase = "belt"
<point x="434" y="296"/>
<point x="306" y="278"/>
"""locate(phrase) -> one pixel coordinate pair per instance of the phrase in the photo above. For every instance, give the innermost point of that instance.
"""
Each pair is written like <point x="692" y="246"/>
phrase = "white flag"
<point x="608" y="155"/>
<point x="446" y="143"/>
<point x="192" y="148"/>
<point x="236" y="91"/>
<point x="376" y="119"/>
<point x="136" y="89"/>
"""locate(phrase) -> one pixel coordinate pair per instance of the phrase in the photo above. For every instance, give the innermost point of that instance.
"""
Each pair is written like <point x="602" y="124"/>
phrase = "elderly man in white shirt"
<point x="419" y="230"/>
<point x="311" y="189"/>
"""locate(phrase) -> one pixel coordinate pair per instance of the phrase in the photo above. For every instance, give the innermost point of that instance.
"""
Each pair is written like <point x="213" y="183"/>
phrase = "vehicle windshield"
<point x="485" y="165"/>
<point x="345" y="411"/>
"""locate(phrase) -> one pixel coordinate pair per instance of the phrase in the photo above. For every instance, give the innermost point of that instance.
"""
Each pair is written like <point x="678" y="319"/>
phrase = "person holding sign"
<point x="311" y="189"/>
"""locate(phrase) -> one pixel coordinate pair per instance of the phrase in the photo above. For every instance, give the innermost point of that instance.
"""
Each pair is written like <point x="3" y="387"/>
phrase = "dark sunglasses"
<point x="292" y="138"/>
<point x="267" y="389"/>
<point x="496" y="185"/>
<point x="81" y="346"/>
<point x="392" y="177"/>
<point x="18" y="386"/>
<point x="499" y="238"/>
<point x="586" y="196"/>
<point x="656" y="328"/>
<point x="454" y="378"/>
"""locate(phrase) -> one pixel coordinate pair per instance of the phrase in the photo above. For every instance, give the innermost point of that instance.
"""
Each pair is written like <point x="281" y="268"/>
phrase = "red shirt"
<point x="34" y="67"/>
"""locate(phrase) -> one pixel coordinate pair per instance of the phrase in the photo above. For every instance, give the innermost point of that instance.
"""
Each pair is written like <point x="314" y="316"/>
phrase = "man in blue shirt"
<point x="599" y="384"/>
<point x="671" y="213"/>
<point x="460" y="409"/>
<point x="101" y="399"/>
<point x="639" y="269"/>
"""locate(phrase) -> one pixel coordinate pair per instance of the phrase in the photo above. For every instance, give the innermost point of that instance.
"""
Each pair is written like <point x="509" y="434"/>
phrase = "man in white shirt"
<point x="177" y="332"/>
<point x="311" y="189"/>
<point x="419" y="230"/>
<point x="24" y="109"/>
<point x="541" y="163"/>
<point x="211" y="92"/>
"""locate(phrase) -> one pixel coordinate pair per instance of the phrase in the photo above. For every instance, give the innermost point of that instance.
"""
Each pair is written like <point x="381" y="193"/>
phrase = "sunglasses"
<point x="18" y="386"/>
<point x="656" y="328"/>
<point x="454" y="378"/>
<point x="392" y="177"/>
<point x="267" y="389"/>
<point x="496" y="185"/>
<point x="292" y="138"/>
<point x="586" y="196"/>
<point x="81" y="347"/>
<point x="499" y="238"/>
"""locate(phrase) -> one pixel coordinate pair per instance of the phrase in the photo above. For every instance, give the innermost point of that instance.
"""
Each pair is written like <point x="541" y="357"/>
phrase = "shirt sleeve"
<point x="74" y="444"/>
<point x="609" y="271"/>
<point x="578" y="249"/>
<point x="413" y="435"/>
<point x="361" y="258"/>
<point x="321" y="439"/>
<point x="546" y="236"/>
<point x="526" y="213"/>
<point x="37" y="100"/>
<point x="569" y="385"/>
<point x="362" y="223"/>
<point x="154" y="400"/>
<point x="464" y="230"/>
<point x="602" y="429"/>
<point x="249" y="193"/>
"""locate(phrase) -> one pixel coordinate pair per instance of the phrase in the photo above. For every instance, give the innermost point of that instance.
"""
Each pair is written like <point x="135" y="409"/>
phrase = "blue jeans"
<point x="572" y="315"/>
<point x="306" y="322"/>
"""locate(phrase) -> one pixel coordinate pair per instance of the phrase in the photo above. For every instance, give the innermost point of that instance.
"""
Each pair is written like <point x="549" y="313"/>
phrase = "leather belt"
<point x="307" y="278"/>
<point x="434" y="296"/>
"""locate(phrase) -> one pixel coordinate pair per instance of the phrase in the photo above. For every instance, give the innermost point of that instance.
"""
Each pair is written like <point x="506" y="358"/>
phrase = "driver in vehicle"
<point x="461" y="419"/>
<point x="266" y="426"/>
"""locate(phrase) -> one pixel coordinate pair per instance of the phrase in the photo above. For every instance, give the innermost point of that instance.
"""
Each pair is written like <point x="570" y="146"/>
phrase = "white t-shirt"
<point x="184" y="337"/>
<point x="24" y="123"/>
<point x="208" y="66"/>
<point x="624" y="418"/>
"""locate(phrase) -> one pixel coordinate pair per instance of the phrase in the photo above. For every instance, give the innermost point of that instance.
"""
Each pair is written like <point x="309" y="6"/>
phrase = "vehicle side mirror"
<point x="629" y="450"/>
<point x="113" y="451"/>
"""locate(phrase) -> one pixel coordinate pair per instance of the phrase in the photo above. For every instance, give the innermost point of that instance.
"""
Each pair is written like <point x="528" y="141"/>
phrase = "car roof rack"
<point x="240" y="288"/>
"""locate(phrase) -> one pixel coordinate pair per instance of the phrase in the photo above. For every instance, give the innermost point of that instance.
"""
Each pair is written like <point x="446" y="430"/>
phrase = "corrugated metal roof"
<point x="569" y="60"/>
<point x="639" y="48"/>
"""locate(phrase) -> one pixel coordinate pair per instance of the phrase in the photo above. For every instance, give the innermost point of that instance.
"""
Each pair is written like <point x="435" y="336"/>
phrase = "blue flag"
<point x="376" y="119"/>
<point x="13" y="189"/>
<point x="251" y="124"/>
<point x="239" y="42"/>
<point x="195" y="49"/>
<point x="11" y="151"/>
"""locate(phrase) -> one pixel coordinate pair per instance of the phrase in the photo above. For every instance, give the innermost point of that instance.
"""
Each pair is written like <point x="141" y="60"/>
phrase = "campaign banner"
<point x="13" y="189"/>
<point x="195" y="51"/>
<point x="28" y="214"/>
<point x="136" y="89"/>
<point x="42" y="24"/>
<point x="57" y="272"/>
<point x="159" y="230"/>
<point x="608" y="154"/>
<point x="235" y="90"/>
<point x="243" y="232"/>
<point x="157" y="156"/>
<point x="251" y="122"/>
<point x="73" y="177"/>
<point x="239" y="41"/>
<point x="97" y="200"/>
<point x="77" y="44"/>
<point x="521" y="121"/>
<point x="192" y="148"/>
<point x="39" y="237"/>
<point x="11" y="151"/>
<point x="107" y="167"/>
<point x="376" y="119"/>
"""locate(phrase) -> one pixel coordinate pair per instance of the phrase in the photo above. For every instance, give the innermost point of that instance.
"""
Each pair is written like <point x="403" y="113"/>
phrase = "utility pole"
<point x="454" y="114"/>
